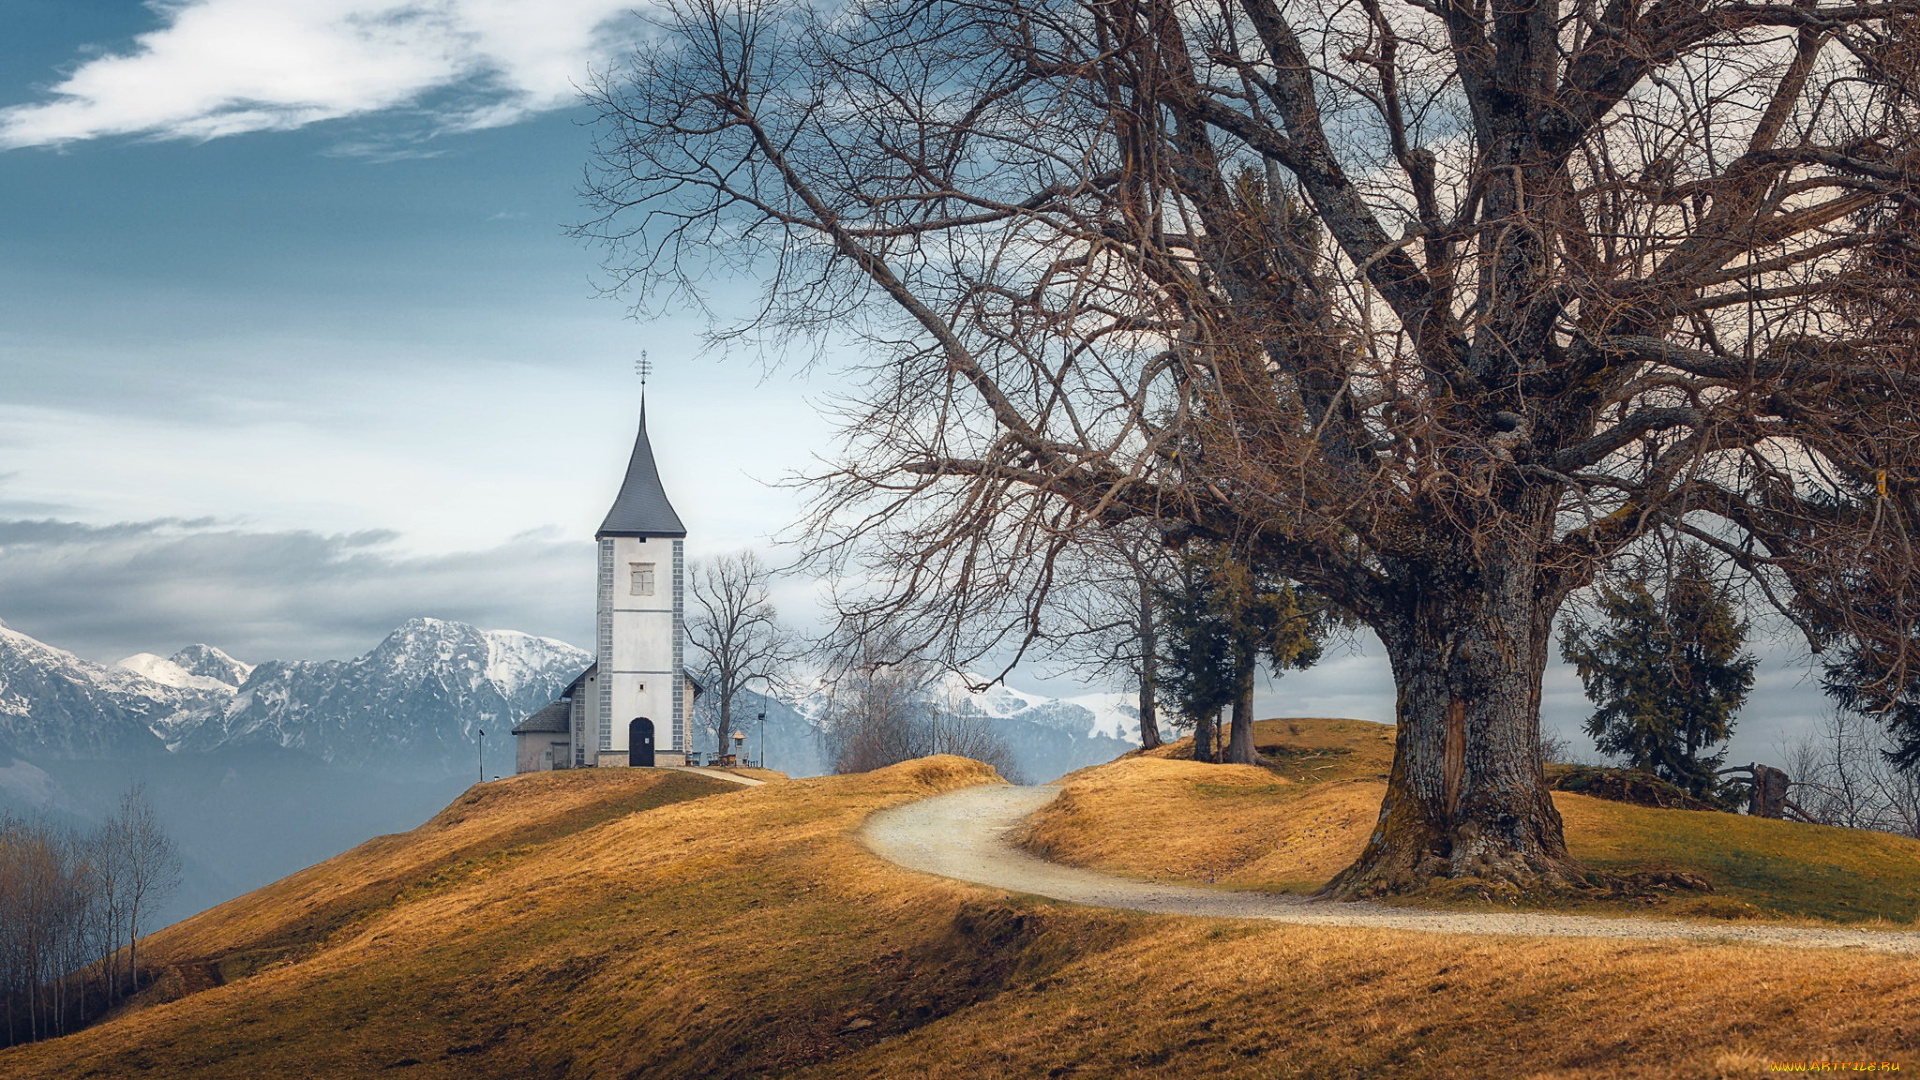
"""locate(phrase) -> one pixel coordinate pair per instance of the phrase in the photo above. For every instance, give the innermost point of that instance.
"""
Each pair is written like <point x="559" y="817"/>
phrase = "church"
<point x="634" y="706"/>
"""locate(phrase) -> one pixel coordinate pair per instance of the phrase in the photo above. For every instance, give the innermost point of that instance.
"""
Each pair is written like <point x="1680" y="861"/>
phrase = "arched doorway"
<point x="640" y="742"/>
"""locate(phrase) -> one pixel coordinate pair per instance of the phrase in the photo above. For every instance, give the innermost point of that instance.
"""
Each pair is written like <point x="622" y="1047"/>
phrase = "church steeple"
<point x="641" y="508"/>
<point x="634" y="706"/>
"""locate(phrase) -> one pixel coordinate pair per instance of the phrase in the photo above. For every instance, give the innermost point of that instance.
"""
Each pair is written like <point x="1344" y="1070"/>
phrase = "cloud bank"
<point x="227" y="67"/>
<point x="154" y="586"/>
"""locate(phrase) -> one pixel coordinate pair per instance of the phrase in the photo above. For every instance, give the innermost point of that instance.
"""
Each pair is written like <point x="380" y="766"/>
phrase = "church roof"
<point x="551" y="718"/>
<point x="641" y="508"/>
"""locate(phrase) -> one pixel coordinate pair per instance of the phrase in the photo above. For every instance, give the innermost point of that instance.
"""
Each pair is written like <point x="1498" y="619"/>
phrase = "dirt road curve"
<point x="961" y="835"/>
<point x="718" y="774"/>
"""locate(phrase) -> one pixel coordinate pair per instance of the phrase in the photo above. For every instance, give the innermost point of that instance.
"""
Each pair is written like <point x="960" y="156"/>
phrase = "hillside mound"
<point x="1291" y="824"/>
<point x="1623" y="785"/>
<point x="614" y="923"/>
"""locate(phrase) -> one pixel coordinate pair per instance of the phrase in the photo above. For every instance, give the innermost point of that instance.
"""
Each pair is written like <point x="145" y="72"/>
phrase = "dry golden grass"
<point x="746" y="933"/>
<point x="1162" y="819"/>
<point x="487" y="825"/>
<point x="1290" y="826"/>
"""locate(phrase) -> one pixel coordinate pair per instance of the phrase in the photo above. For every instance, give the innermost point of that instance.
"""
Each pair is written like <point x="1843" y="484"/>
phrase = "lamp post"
<point x="481" y="734"/>
<point x="763" y="738"/>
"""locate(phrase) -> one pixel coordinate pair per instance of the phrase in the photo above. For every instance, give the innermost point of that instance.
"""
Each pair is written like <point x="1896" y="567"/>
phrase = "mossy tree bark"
<point x="1467" y="795"/>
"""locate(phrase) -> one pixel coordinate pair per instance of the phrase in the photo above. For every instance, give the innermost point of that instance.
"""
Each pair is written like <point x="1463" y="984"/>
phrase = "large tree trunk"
<point x="1240" y="736"/>
<point x="1467" y="796"/>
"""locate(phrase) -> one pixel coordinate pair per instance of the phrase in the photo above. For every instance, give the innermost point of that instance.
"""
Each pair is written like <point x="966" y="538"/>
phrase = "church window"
<point x="642" y="579"/>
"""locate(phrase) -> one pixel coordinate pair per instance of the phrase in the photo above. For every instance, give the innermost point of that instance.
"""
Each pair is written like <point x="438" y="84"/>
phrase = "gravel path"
<point x="962" y="835"/>
<point x="717" y="774"/>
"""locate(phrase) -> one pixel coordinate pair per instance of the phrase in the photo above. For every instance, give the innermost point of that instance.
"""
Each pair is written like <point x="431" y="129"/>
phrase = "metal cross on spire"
<point x="643" y="367"/>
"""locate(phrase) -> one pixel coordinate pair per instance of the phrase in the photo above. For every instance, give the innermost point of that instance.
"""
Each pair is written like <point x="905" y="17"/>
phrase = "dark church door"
<point x="640" y="742"/>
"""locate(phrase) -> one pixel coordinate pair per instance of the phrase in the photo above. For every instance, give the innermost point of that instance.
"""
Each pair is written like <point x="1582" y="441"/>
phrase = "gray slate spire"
<point x="642" y="509"/>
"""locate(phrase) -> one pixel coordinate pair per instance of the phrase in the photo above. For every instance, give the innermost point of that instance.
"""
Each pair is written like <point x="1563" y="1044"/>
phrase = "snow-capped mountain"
<point x="413" y="701"/>
<point x="53" y="703"/>
<point x="1047" y="737"/>
<point x="207" y="662"/>
<point x="419" y="695"/>
<point x="196" y="667"/>
<point x="1096" y="714"/>
<point x="1115" y="715"/>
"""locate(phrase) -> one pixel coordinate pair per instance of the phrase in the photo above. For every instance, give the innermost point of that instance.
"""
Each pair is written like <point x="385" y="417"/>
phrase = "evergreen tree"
<point x="1665" y="672"/>
<point x="1220" y="618"/>
<point x="1859" y="682"/>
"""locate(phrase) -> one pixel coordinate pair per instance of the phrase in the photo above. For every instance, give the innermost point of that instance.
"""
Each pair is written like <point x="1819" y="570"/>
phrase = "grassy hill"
<point x="1291" y="825"/>
<point x="640" y="924"/>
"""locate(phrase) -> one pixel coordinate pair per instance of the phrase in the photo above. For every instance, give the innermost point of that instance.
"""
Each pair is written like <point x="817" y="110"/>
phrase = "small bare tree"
<point x="967" y="735"/>
<point x="1844" y="774"/>
<point x="879" y="713"/>
<point x="144" y="862"/>
<point x="736" y="631"/>
<point x="1105" y="622"/>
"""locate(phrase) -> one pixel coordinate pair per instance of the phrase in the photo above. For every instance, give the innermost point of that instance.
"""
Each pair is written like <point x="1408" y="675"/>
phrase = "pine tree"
<point x="1220" y="618"/>
<point x="1665" y="672"/>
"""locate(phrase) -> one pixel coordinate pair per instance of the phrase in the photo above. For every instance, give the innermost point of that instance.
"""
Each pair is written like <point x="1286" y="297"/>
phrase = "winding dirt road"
<point x="962" y="835"/>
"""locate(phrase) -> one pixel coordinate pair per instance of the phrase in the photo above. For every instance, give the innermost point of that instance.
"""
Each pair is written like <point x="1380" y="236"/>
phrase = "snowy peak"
<point x="1114" y="715"/>
<point x="196" y="667"/>
<point x="508" y="661"/>
<point x="207" y="662"/>
<point x="954" y="691"/>
<point x="1086" y="715"/>
<point x="170" y="673"/>
<point x="54" y="702"/>
<point x="516" y="661"/>
<point x="417" y="696"/>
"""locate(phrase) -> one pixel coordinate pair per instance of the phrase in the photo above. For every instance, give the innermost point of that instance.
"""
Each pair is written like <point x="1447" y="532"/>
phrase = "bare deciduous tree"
<point x="145" y="863"/>
<point x="1105" y="622"/>
<point x="69" y="903"/>
<point x="736" y="631"/>
<point x="1435" y="307"/>
<point x="879" y="713"/>
<point x="1843" y="774"/>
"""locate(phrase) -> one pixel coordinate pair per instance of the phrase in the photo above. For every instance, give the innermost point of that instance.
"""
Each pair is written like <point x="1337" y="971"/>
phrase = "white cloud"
<point x="226" y="67"/>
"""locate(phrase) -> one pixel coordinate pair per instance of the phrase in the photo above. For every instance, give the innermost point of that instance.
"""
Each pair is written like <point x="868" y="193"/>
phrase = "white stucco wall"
<point x="641" y="671"/>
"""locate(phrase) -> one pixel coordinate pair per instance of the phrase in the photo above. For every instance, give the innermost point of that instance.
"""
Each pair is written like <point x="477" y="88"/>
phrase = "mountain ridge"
<point x="417" y="696"/>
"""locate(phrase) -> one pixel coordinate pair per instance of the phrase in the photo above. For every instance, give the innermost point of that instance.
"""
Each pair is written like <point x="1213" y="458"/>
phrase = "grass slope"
<point x="625" y="924"/>
<point x="1291" y="825"/>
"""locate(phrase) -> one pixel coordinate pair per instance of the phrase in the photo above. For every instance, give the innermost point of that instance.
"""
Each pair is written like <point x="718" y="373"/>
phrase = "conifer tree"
<point x="1220" y="619"/>
<point x="1665" y="672"/>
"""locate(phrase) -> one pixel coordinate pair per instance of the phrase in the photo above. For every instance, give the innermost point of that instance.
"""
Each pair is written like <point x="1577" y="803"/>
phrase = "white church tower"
<point x="634" y="706"/>
<point x="644" y="702"/>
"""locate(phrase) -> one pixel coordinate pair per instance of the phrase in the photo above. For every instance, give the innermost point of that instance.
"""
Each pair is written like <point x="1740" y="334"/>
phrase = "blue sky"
<point x="295" y="345"/>
<point x="365" y="337"/>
